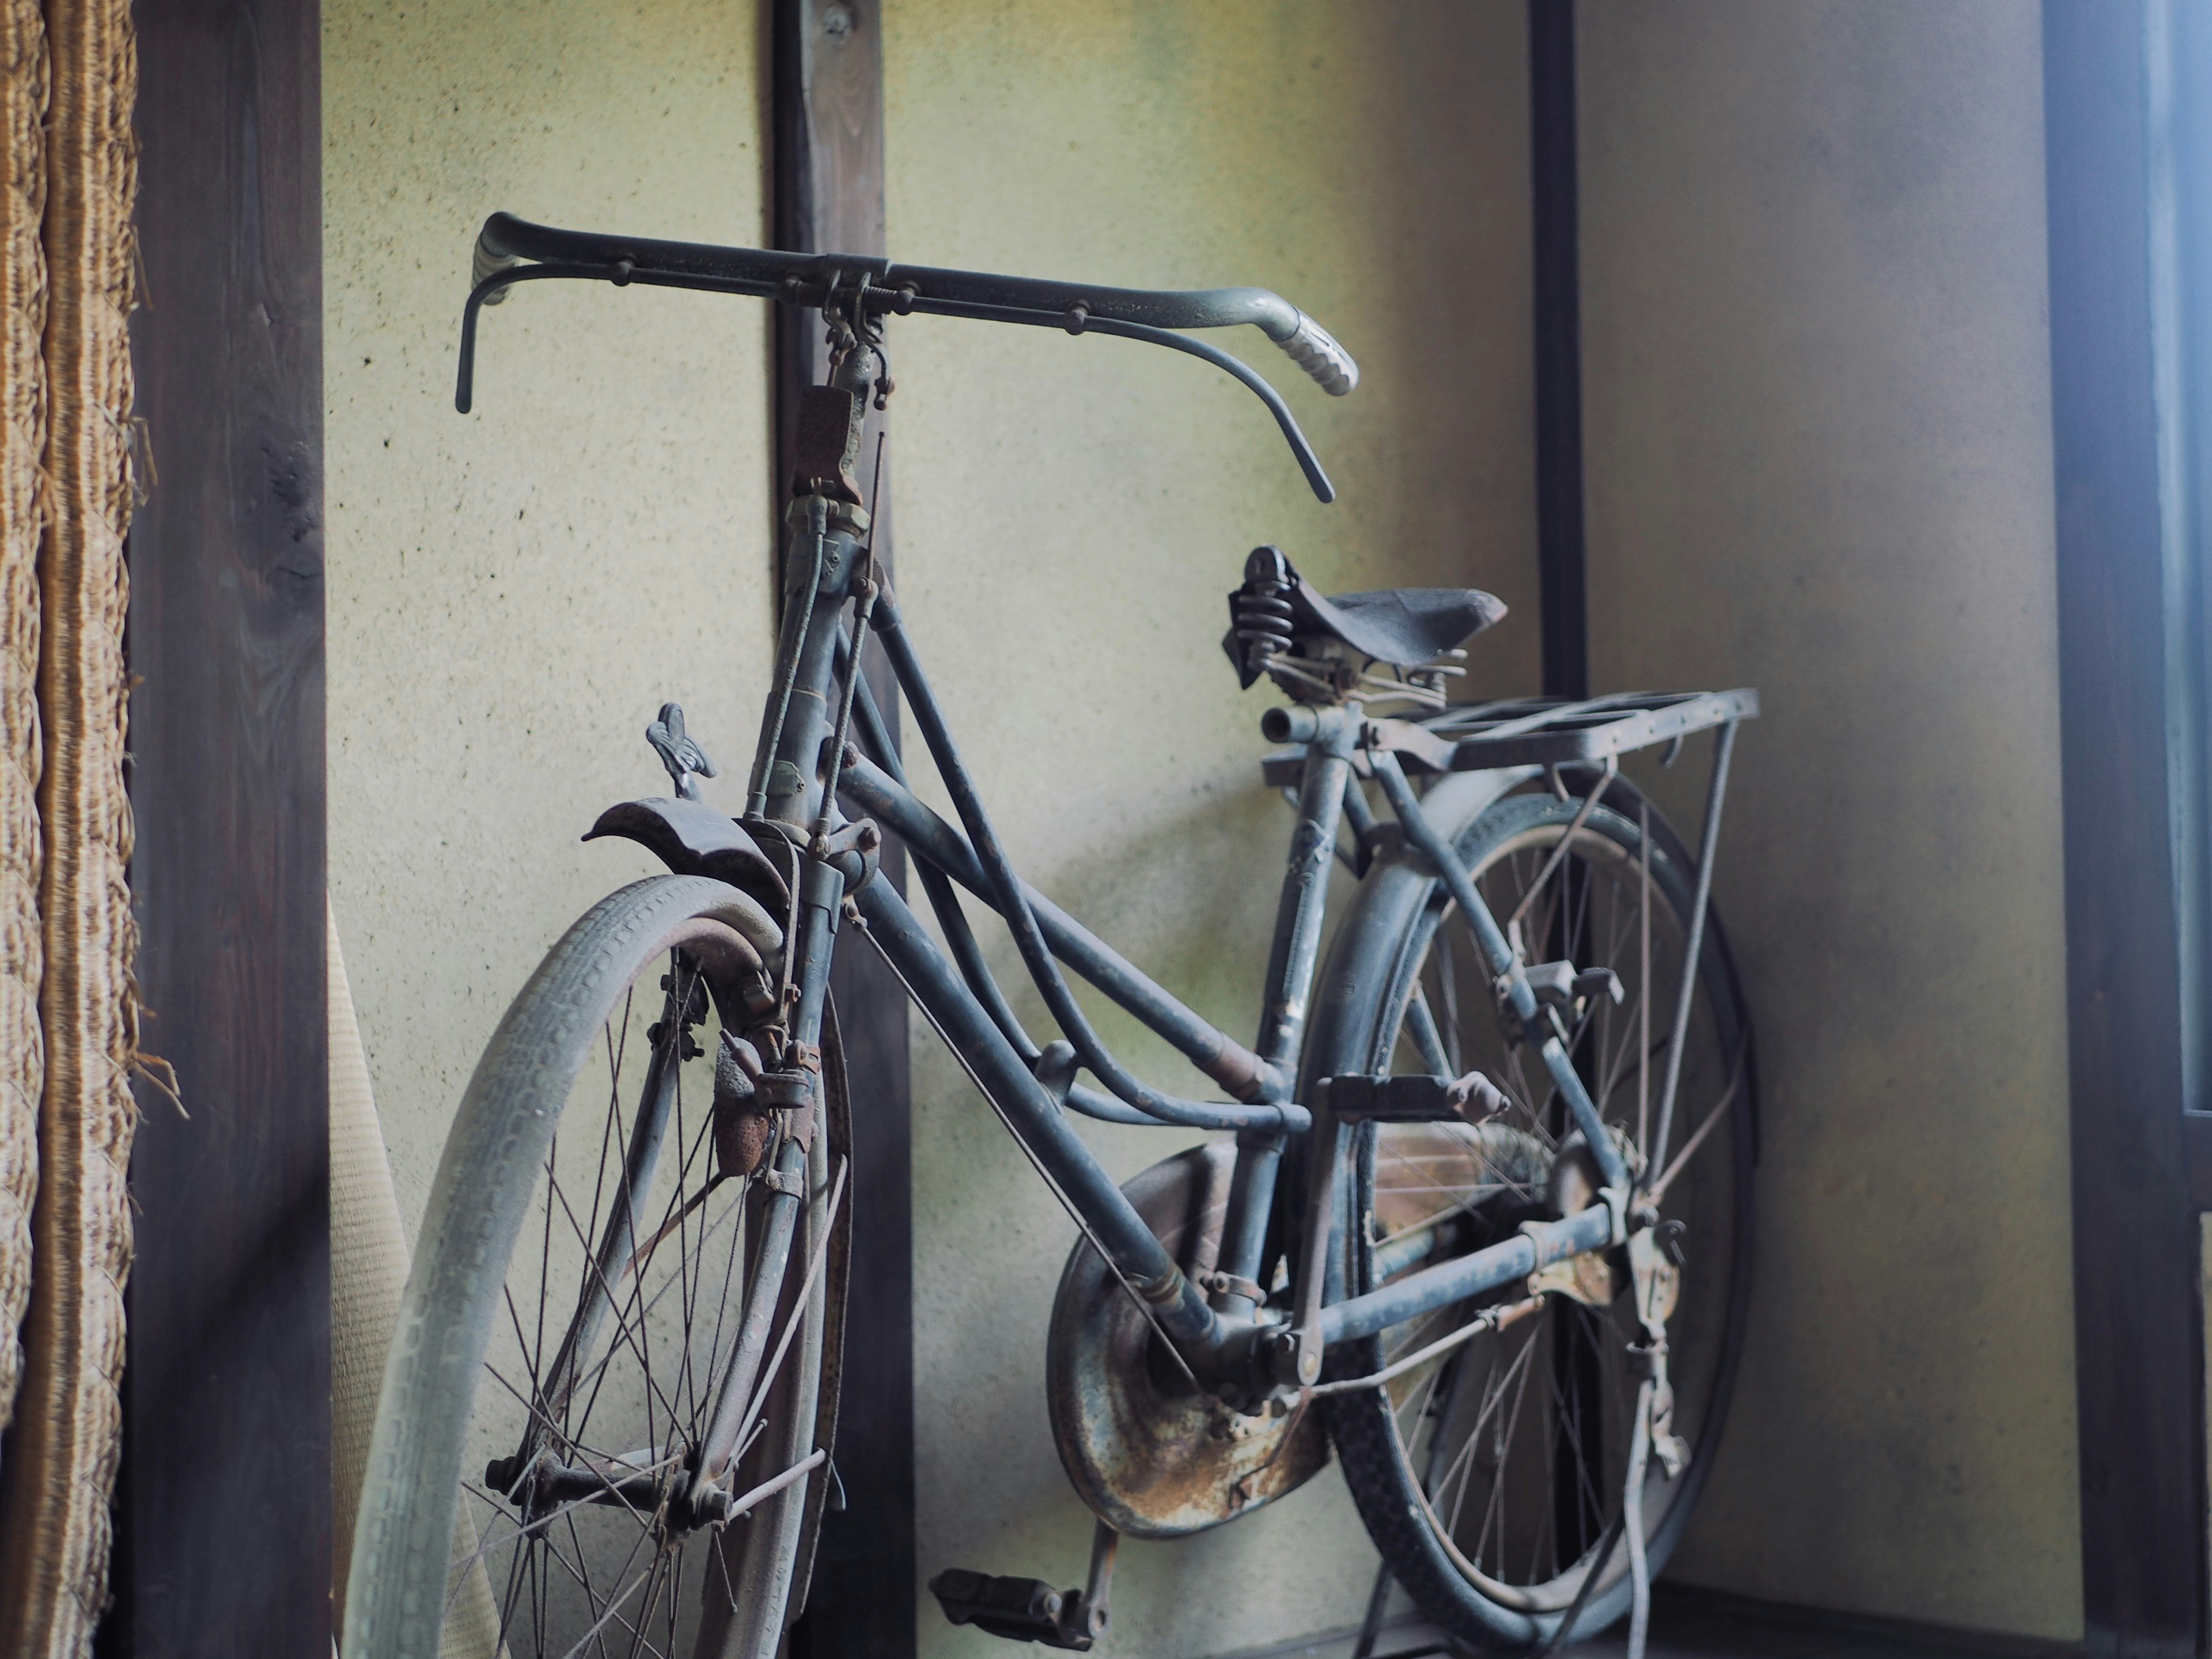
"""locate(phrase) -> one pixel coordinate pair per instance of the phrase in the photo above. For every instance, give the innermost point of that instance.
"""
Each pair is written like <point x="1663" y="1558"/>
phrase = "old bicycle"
<point x="1476" y="1213"/>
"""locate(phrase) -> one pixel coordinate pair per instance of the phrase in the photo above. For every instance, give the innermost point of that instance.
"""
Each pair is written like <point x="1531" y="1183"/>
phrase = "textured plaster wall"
<point x="1819" y="436"/>
<point x="513" y="593"/>
<point x="1070" y="514"/>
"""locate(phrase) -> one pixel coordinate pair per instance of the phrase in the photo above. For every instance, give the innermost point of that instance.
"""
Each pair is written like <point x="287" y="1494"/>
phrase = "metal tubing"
<point x="1409" y="1250"/>
<point x="1422" y="1024"/>
<point x="806" y="279"/>
<point x="840" y="651"/>
<point x="791" y="645"/>
<point x="873" y="731"/>
<point x="1112" y="1222"/>
<point x="806" y="726"/>
<point x="1214" y="1052"/>
<point x="1631" y="1515"/>
<point x="779" y="1226"/>
<point x="944" y="902"/>
<point x="1251" y="1200"/>
<point x="1013" y="904"/>
<point x="1093" y="1103"/>
<point x="1305" y="887"/>
<point x="1499" y="955"/>
<point x="1536" y="1245"/>
<point x="822" y="890"/>
<point x="966" y="954"/>
<point x="1323" y="1176"/>
<point x="1724" y="746"/>
<point x="1361" y="816"/>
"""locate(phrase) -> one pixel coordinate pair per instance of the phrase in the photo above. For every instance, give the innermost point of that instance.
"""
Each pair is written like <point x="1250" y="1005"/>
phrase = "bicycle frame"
<point x="826" y="783"/>
<point x="804" y="763"/>
<point x="1221" y="1337"/>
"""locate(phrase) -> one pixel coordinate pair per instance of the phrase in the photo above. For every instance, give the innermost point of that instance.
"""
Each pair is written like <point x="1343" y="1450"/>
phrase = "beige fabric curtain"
<point x="57" y="1468"/>
<point x="368" y="1265"/>
<point x="369" y="1271"/>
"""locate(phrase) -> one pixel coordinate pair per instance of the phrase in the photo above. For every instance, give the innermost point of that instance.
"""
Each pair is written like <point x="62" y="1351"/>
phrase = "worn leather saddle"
<point x="1403" y="626"/>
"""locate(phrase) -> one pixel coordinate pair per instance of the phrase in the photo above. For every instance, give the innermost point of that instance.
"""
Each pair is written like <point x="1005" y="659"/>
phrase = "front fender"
<point x="692" y="839"/>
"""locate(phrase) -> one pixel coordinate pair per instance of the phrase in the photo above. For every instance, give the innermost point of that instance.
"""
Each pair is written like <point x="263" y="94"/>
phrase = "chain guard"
<point x="1152" y="1456"/>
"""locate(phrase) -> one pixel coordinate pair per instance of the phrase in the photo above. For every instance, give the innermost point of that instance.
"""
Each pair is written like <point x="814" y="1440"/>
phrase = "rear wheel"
<point x="1492" y="1477"/>
<point x="613" y="1263"/>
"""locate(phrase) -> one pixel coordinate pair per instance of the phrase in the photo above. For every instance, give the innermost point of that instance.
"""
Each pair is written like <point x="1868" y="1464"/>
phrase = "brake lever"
<point x="491" y="291"/>
<point x="1309" y="463"/>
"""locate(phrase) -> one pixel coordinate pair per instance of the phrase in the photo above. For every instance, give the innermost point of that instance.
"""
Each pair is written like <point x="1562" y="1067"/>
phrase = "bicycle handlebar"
<point x="509" y="250"/>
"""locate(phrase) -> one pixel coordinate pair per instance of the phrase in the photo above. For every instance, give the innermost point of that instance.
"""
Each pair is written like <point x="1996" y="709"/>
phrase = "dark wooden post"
<point x="2123" y="656"/>
<point x="1554" y="199"/>
<point x="225" y="1525"/>
<point x="829" y="171"/>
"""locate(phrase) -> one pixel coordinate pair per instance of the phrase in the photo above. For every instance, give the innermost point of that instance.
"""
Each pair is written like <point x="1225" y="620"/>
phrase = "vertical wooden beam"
<point x="227" y="1500"/>
<point x="829" y="169"/>
<point x="1555" y="210"/>
<point x="2139" y="1363"/>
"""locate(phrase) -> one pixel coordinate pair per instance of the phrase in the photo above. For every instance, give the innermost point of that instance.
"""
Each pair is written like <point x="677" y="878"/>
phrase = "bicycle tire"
<point x="414" y="1575"/>
<point x="1376" y="963"/>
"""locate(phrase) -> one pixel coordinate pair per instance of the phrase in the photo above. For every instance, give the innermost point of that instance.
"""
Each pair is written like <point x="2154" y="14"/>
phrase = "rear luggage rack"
<point x="1539" y="732"/>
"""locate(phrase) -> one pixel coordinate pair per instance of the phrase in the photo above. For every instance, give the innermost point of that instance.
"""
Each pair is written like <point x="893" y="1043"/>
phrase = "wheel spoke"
<point x="1529" y="1475"/>
<point x="615" y="1303"/>
<point x="1426" y="1039"/>
<point x="621" y="1325"/>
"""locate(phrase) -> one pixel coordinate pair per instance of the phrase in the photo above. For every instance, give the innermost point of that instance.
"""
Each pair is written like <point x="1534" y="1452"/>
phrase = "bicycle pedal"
<point x="1413" y="1099"/>
<point x="1019" y="1609"/>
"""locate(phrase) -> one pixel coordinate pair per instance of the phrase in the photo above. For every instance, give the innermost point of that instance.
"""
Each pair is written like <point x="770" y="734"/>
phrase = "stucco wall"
<point x="1819" y="460"/>
<point x="1070" y="514"/>
<point x="513" y="593"/>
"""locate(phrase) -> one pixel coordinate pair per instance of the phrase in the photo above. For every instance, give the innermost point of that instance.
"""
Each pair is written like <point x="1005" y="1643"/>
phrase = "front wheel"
<point x="626" y="1298"/>
<point x="1492" y="1477"/>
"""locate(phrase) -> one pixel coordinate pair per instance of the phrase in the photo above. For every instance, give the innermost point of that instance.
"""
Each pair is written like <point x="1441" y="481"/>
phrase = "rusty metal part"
<point x="743" y="1127"/>
<point x="829" y="444"/>
<point x="1592" y="1279"/>
<point x="1595" y="1277"/>
<point x="754" y="1104"/>
<point x="1153" y="1456"/>
<point x="1658" y="1280"/>
<point x="742" y="1138"/>
<point x="1222" y="1284"/>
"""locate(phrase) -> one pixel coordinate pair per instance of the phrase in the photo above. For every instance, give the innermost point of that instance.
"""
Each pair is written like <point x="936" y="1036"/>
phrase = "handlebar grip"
<point x="1314" y="349"/>
<point x="485" y="262"/>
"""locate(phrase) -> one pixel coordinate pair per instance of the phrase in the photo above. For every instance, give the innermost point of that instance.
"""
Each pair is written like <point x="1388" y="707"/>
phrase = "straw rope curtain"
<point x="22" y="443"/>
<point x="58" y="1468"/>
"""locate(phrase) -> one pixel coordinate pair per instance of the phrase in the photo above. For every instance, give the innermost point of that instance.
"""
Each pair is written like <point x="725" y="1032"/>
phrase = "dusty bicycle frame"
<point x="807" y="762"/>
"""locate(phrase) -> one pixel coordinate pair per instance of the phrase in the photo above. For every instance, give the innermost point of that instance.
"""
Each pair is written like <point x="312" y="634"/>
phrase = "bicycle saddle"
<point x="1403" y="626"/>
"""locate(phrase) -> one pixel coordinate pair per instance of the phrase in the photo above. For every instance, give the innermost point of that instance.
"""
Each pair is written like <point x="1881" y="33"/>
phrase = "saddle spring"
<point x="1262" y="616"/>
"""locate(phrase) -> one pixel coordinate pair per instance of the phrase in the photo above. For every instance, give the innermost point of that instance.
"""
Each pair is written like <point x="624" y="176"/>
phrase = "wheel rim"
<point x="608" y="1353"/>
<point x="1515" y="1444"/>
